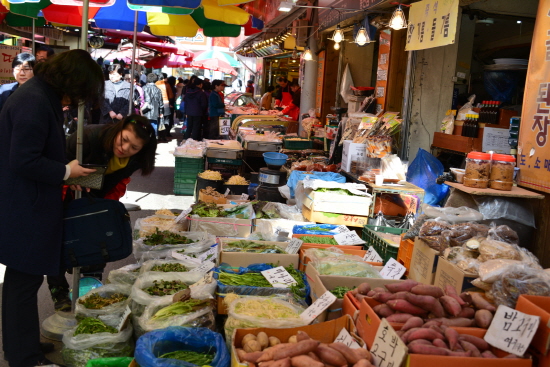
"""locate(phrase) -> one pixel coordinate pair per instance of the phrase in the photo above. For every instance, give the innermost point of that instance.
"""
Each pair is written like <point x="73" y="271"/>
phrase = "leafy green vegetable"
<point x="335" y="191"/>
<point x="96" y="302"/>
<point x="166" y="238"/>
<point x="209" y="210"/>
<point x="199" y="359"/>
<point x="181" y="308"/>
<point x="251" y="246"/>
<point x="319" y="240"/>
<point x="317" y="228"/>
<point x="164" y="288"/>
<point x="90" y="325"/>
<point x="339" y="292"/>
<point x="80" y="357"/>
<point x="170" y="267"/>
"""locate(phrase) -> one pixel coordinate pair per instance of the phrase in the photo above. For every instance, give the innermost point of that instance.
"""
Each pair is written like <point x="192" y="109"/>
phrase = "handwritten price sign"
<point x="279" y="277"/>
<point x="346" y="338"/>
<point x="318" y="306"/>
<point x="393" y="270"/>
<point x="372" y="256"/>
<point x="348" y="238"/>
<point x="387" y="349"/>
<point x="294" y="246"/>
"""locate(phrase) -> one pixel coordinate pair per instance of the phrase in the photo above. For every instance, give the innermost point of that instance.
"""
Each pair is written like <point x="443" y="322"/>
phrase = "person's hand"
<point x="112" y="114"/>
<point x="78" y="171"/>
<point x="119" y="117"/>
<point x="65" y="108"/>
<point x="79" y="188"/>
<point x="161" y="115"/>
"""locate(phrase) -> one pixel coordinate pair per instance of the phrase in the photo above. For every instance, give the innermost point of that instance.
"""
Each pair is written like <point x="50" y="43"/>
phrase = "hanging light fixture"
<point x="295" y="53"/>
<point x="362" y="37"/>
<point x="338" y="35"/>
<point x="398" y="20"/>
<point x="336" y="46"/>
<point x="308" y="56"/>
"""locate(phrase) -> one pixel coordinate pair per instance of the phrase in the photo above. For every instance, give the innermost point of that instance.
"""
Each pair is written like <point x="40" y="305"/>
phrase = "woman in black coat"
<point x="33" y="166"/>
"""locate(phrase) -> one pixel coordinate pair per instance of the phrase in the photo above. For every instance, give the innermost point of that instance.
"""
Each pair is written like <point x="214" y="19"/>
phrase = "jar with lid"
<point x="478" y="166"/>
<point x="502" y="172"/>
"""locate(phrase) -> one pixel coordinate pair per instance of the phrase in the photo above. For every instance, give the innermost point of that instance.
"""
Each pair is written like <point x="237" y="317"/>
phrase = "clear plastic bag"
<point x="433" y="228"/>
<point x="158" y="342"/>
<point x="126" y="275"/>
<point x="415" y="229"/>
<point x="504" y="234"/>
<point x="149" y="264"/>
<point x="464" y="259"/>
<point x="110" y="362"/>
<point x="115" y="311"/>
<point x="280" y="210"/>
<point x="319" y="253"/>
<point x="491" y="270"/>
<point x="146" y="226"/>
<point x="452" y="215"/>
<point x="491" y="250"/>
<point x="78" y="350"/>
<point x="143" y="252"/>
<point x="244" y="211"/>
<point x="345" y="265"/>
<point x="520" y="279"/>
<point x="466" y="108"/>
<point x="515" y="209"/>
<point x="459" y="234"/>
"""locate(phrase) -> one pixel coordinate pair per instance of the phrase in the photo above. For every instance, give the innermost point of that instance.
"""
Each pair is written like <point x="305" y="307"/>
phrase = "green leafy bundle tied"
<point x="166" y="238"/>
<point x="251" y="246"/>
<point x="97" y="302"/>
<point x="199" y="359"/>
<point x="180" y="308"/>
<point x="319" y="240"/>
<point x="210" y="210"/>
<point x="89" y="325"/>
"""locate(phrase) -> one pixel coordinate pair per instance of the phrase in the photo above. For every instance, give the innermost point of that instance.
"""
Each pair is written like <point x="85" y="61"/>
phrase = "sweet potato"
<point x="420" y="341"/>
<point x="380" y="290"/>
<point x="371" y="293"/>
<point x="383" y="297"/>
<point x="361" y="297"/>
<point x="483" y="318"/>
<point x="440" y="343"/>
<point x="452" y="337"/>
<point x="460" y="353"/>
<point x="480" y="343"/>
<point x="405" y="286"/>
<point x="466" y="297"/>
<point x="488" y="354"/>
<point x="399" y="317"/>
<point x="383" y="310"/>
<point x="250" y="364"/>
<point x="405" y="337"/>
<point x="362" y="363"/>
<point x="303" y="347"/>
<point x="427" y="290"/>
<point x="481" y="303"/>
<point x="400" y="333"/>
<point x="451" y="292"/>
<point x="273" y="341"/>
<point x="459" y="322"/>
<point x="302" y="335"/>
<point x="402" y="305"/>
<point x="437" y="328"/>
<point x="314" y="357"/>
<point x="270" y="352"/>
<point x="428" y="303"/>
<point x="450" y="305"/>
<point x="346" y="351"/>
<point x="305" y="361"/>
<point x="363" y="354"/>
<point x="427" y="349"/>
<point x="240" y="354"/>
<point x="262" y="339"/>
<point x="422" y="333"/>
<point x="469" y="346"/>
<point x="432" y="322"/>
<point x="330" y="356"/>
<point x="412" y="322"/>
<point x="401" y="295"/>
<point x="285" y="362"/>
<point x="467" y="312"/>
<point x="250" y="357"/>
<point x="364" y="288"/>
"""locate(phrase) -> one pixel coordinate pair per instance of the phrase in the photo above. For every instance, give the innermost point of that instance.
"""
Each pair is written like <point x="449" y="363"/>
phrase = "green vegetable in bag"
<point x="110" y="362"/>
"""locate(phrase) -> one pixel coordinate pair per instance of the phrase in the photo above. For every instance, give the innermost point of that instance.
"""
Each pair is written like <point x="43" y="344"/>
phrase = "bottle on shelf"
<point x="475" y="128"/>
<point x="483" y="111"/>
<point x="465" y="125"/>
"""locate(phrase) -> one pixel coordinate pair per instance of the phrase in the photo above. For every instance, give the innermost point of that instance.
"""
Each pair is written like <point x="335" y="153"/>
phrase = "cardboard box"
<point x="334" y="218"/>
<point x="226" y="227"/>
<point x="246" y="258"/>
<point x="335" y="203"/>
<point x="270" y="226"/>
<point x="538" y="306"/>
<point x="351" y="152"/>
<point x="423" y="263"/>
<point x="325" y="332"/>
<point x="449" y="273"/>
<point x="539" y="359"/>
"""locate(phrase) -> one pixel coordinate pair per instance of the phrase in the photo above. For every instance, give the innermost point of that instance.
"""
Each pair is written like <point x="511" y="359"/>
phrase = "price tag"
<point x="211" y="254"/>
<point x="372" y="256"/>
<point x="341" y="229"/>
<point x="388" y="349"/>
<point x="124" y="319"/>
<point x="227" y="192"/>
<point x="244" y="196"/>
<point x="206" y="266"/>
<point x="183" y="215"/>
<point x="279" y="277"/>
<point x="511" y="330"/>
<point x="346" y="338"/>
<point x="348" y="238"/>
<point x="208" y="278"/>
<point x="393" y="270"/>
<point x="179" y="256"/>
<point x="318" y="307"/>
<point x="294" y="246"/>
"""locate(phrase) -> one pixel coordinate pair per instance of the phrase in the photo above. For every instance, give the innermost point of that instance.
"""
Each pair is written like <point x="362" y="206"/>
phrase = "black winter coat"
<point x="153" y="98"/>
<point x="117" y="102"/>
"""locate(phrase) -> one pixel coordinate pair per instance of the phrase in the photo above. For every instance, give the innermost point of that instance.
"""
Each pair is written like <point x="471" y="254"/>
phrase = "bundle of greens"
<point x="339" y="292"/>
<point x="170" y="267"/>
<point x="209" y="210"/>
<point x="97" y="302"/>
<point x="166" y="238"/>
<point x="165" y="288"/>
<point x="317" y="228"/>
<point x="251" y="246"/>
<point x="196" y="358"/>
<point x="335" y="191"/>
<point x="319" y="240"/>
<point x="181" y="308"/>
<point x="90" y="325"/>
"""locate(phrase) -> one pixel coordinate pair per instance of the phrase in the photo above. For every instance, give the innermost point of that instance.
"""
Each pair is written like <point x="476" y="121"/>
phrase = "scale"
<point x="271" y="178"/>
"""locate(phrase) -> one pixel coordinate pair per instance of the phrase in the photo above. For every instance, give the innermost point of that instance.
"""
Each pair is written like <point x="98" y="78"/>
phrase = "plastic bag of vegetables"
<point x="163" y="220"/>
<point x="110" y="362"/>
<point x="88" y="340"/>
<point x="126" y="275"/>
<point x="345" y="265"/>
<point x="160" y="245"/>
<point x="107" y="303"/>
<point x="177" y="346"/>
<point x="168" y="266"/>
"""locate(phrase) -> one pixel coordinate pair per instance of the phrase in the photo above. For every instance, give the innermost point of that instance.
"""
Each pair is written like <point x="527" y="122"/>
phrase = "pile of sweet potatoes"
<point x="435" y="338"/>
<point x="401" y="301"/>
<point x="299" y="351"/>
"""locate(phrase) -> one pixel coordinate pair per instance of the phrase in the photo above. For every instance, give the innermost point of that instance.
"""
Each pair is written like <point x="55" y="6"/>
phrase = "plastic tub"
<point x="502" y="172"/>
<point x="275" y="159"/>
<point x="478" y="166"/>
<point x="459" y="174"/>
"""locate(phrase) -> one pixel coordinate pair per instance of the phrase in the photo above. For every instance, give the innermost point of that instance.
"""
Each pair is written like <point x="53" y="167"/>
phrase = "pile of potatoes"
<point x="401" y="301"/>
<point x="434" y="338"/>
<point x="299" y="351"/>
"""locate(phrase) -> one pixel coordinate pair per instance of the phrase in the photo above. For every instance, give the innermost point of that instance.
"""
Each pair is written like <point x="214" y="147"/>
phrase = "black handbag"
<point x="95" y="231"/>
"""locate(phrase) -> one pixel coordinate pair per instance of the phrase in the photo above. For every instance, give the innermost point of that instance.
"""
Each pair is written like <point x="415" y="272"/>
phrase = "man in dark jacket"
<point x="153" y="107"/>
<point x="216" y="108"/>
<point x="196" y="105"/>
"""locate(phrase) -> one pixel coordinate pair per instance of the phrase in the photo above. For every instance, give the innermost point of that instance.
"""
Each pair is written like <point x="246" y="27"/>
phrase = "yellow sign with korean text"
<point x="432" y="23"/>
<point x="6" y="71"/>
<point x="533" y="157"/>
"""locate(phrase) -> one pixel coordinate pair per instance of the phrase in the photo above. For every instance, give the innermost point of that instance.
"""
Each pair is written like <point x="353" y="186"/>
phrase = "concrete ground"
<point x="150" y="193"/>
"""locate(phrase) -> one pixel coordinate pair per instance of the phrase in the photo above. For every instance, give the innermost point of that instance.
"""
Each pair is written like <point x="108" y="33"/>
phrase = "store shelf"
<point x="456" y="143"/>
<point x="517" y="192"/>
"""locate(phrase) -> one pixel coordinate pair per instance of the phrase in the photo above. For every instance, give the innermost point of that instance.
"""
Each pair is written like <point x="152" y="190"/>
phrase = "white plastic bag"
<point x="126" y="275"/>
<point x="114" y="311"/>
<point x="143" y="252"/>
<point x="149" y="264"/>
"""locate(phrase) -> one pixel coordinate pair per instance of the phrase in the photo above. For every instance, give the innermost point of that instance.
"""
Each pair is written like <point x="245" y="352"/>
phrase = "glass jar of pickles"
<point x="478" y="167"/>
<point x="502" y="172"/>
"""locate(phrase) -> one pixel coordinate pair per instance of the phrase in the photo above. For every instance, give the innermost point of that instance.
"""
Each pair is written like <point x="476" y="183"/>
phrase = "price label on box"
<point x="206" y="266"/>
<point x="178" y="256"/>
<point x="372" y="256"/>
<point x="183" y="215"/>
<point x="317" y="307"/>
<point x="393" y="270"/>
<point x="211" y="254"/>
<point x="388" y="349"/>
<point x="244" y="196"/>
<point x="511" y="330"/>
<point x="207" y="279"/>
<point x="124" y="319"/>
<point x="348" y="238"/>
<point x="294" y="246"/>
<point x="346" y="338"/>
<point x="341" y="229"/>
<point x="279" y="278"/>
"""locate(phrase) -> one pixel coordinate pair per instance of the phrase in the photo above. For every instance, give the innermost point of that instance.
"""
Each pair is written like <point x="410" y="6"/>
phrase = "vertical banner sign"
<point x="432" y="23"/>
<point x="320" y="82"/>
<point x="533" y="146"/>
<point x="383" y="69"/>
<point x="8" y="54"/>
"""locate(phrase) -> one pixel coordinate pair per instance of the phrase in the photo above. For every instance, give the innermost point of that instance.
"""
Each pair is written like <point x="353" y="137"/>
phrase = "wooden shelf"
<point x="517" y="192"/>
<point x="456" y="143"/>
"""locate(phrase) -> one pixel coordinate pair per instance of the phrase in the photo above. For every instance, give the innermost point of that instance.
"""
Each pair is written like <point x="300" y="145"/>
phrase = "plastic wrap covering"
<point x="415" y="229"/>
<point x="143" y="252"/>
<point x="268" y="228"/>
<point x="515" y="209"/>
<point x="517" y="280"/>
<point x="482" y="285"/>
<point x="318" y="253"/>
<point x="280" y="210"/>
<point x="491" y="250"/>
<point x="452" y="215"/>
<point x="433" y="228"/>
<point x="460" y="234"/>
<point x="315" y="229"/>
<point x="126" y="275"/>
<point x="113" y="312"/>
<point x="78" y="350"/>
<point x="464" y="259"/>
<point x="230" y="227"/>
<point x="503" y="234"/>
<point x="490" y="271"/>
<point x="423" y="172"/>
<point x="243" y="211"/>
<point x="158" y="342"/>
<point x="150" y="264"/>
<point x="345" y="265"/>
<point x="146" y="226"/>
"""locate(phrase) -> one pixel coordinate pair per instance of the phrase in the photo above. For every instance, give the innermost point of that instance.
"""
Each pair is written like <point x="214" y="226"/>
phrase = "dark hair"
<point x="143" y="129"/>
<point x="171" y="81"/>
<point x="192" y="78"/>
<point x="21" y="58"/>
<point x="270" y="88"/>
<point x="217" y="82"/>
<point x="250" y="82"/>
<point x="117" y="68"/>
<point x="206" y="86"/>
<point x="185" y="81"/>
<point x="73" y="74"/>
<point x="282" y="79"/>
<point x="180" y="80"/>
<point x="152" y="77"/>
<point x="295" y="84"/>
<point x="198" y="81"/>
<point x="164" y="75"/>
<point x="46" y="48"/>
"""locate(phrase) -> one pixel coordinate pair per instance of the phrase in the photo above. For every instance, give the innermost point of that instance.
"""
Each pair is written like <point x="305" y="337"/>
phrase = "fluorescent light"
<point x="336" y="46"/>
<point x="285" y="6"/>
<point x="398" y="20"/>
<point x="362" y="37"/>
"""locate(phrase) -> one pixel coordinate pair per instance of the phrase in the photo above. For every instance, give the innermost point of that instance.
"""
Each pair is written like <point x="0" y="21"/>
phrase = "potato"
<point x="483" y="318"/>
<point x="302" y="335"/>
<point x="247" y="338"/>
<point x="363" y="288"/>
<point x="252" y="346"/>
<point x="273" y="340"/>
<point x="262" y="339"/>
<point x="293" y="339"/>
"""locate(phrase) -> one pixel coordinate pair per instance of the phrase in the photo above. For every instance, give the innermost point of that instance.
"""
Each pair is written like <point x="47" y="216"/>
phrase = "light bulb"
<point x="295" y="53"/>
<point x="398" y="20"/>
<point x="362" y="37"/>
<point x="338" y="35"/>
<point x="307" y="55"/>
<point x="336" y="46"/>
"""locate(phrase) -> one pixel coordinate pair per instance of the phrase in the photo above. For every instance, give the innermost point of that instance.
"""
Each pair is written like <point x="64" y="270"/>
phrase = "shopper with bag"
<point x="196" y="105"/>
<point x="33" y="166"/>
<point x="116" y="102"/>
<point x="153" y="108"/>
<point x="216" y="109"/>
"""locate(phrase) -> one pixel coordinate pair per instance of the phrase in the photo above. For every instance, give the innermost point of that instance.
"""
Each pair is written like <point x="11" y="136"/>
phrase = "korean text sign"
<point x="432" y="23"/>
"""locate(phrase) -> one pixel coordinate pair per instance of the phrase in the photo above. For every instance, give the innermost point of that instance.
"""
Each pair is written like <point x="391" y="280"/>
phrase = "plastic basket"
<point x="404" y="256"/>
<point x="190" y="163"/>
<point x="385" y="249"/>
<point x="184" y="188"/>
<point x="297" y="144"/>
<point x="232" y="162"/>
